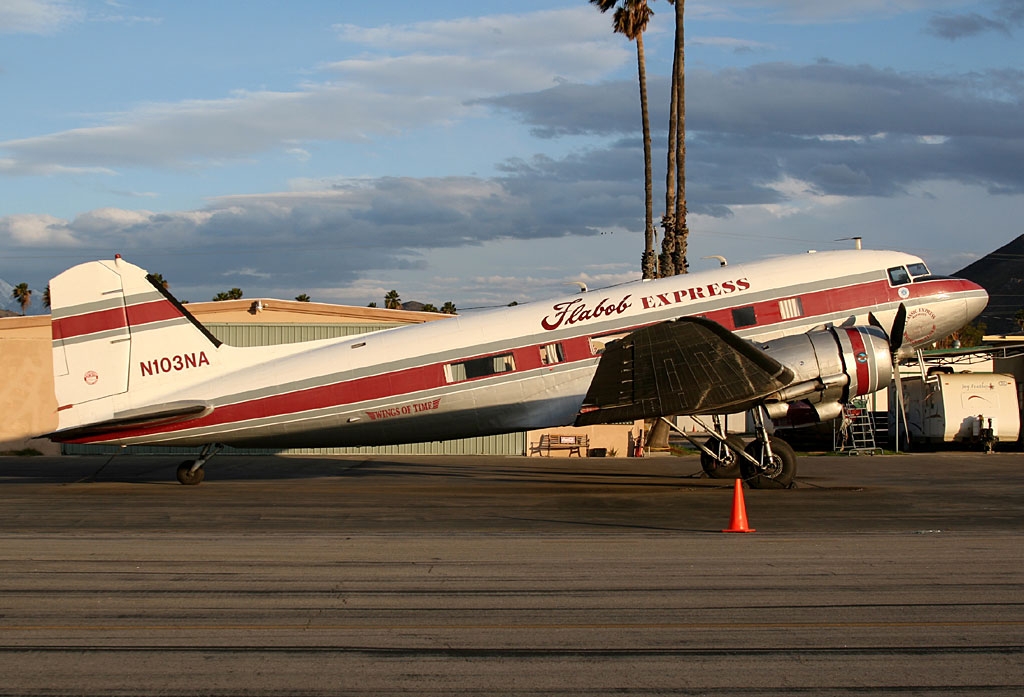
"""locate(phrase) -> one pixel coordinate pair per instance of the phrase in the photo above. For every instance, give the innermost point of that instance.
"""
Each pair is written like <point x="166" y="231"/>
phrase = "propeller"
<point x="895" y="338"/>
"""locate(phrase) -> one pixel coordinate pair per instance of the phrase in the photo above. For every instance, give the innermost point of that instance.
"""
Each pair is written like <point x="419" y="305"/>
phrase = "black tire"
<point x="728" y="465"/>
<point x="187" y="476"/>
<point x="777" y="474"/>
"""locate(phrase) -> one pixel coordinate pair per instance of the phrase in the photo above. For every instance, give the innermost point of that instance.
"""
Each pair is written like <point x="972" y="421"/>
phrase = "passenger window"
<point x="898" y="276"/>
<point x="479" y="367"/>
<point x="551" y="353"/>
<point x="790" y="308"/>
<point x="744" y="317"/>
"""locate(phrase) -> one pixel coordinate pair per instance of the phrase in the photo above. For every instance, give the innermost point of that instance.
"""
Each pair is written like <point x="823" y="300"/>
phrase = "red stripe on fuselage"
<point x="814" y="304"/>
<point x="855" y="299"/>
<point x="396" y="384"/>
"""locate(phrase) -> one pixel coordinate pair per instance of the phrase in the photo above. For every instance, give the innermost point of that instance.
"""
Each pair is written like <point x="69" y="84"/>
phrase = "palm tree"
<point x="23" y="295"/>
<point x="159" y="280"/>
<point x="673" y="255"/>
<point x="303" y="298"/>
<point x="449" y="308"/>
<point x="630" y="19"/>
<point x="233" y="294"/>
<point x="392" y="301"/>
<point x="46" y="296"/>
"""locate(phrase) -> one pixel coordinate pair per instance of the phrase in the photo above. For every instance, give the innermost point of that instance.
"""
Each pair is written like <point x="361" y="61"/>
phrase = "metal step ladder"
<point x="855" y="430"/>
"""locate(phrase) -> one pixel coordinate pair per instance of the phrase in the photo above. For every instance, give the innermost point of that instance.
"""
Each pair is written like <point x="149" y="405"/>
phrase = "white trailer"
<point x="976" y="409"/>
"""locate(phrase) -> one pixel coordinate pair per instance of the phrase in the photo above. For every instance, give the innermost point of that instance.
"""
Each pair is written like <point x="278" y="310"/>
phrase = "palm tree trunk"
<point x="665" y="264"/>
<point x="682" y="232"/>
<point x="647" y="264"/>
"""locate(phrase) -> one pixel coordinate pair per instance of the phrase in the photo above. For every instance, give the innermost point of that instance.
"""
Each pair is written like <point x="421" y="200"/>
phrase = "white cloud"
<point x="195" y="132"/>
<point x="36" y="230"/>
<point x="731" y="44"/>
<point x="249" y="272"/>
<point x="14" y="167"/>
<point x="520" y="33"/>
<point x="487" y="55"/>
<point x="103" y="220"/>
<point x="460" y="194"/>
<point x="798" y="197"/>
<point x="373" y="96"/>
<point x="37" y="16"/>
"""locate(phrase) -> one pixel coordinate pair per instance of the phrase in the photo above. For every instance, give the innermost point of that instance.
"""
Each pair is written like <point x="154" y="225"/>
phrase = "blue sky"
<point x="487" y="152"/>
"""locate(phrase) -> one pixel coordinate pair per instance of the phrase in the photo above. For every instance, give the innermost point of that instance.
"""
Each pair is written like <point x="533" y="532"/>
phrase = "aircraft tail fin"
<point x="117" y="329"/>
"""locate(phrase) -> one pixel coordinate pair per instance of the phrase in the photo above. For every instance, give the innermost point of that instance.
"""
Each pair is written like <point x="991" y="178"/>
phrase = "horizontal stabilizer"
<point x="686" y="366"/>
<point x="158" y="415"/>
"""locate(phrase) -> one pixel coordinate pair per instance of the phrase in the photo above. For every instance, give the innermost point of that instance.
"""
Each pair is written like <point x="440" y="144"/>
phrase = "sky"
<point x="490" y="152"/>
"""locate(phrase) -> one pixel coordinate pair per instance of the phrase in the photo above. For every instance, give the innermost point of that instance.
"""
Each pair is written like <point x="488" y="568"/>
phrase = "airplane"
<point x="791" y="338"/>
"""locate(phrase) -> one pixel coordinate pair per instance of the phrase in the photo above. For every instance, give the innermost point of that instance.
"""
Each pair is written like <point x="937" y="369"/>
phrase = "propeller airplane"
<point x="791" y="338"/>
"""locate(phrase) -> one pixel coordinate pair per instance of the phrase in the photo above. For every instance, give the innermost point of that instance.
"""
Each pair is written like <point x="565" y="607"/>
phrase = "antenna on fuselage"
<point x="721" y="260"/>
<point x="856" y="241"/>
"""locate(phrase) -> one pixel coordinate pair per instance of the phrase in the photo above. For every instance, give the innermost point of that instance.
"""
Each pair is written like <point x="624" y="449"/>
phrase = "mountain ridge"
<point x="1001" y="274"/>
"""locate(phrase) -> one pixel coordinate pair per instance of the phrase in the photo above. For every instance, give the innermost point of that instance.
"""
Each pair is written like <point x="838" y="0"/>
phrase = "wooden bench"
<point x="555" y="441"/>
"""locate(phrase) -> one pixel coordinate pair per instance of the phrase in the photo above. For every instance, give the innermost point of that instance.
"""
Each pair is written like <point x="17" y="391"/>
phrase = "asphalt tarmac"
<point x="515" y="576"/>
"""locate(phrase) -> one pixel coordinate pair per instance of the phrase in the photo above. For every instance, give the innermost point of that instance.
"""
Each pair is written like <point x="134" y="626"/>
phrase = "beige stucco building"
<point x="27" y="405"/>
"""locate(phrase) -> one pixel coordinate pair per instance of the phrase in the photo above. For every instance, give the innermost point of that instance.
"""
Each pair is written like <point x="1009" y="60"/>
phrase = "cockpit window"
<point x="917" y="270"/>
<point x="898" y="276"/>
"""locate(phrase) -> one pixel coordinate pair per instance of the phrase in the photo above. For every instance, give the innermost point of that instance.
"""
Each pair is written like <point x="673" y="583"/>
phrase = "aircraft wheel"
<point x="778" y="473"/>
<point x="187" y="476"/>
<point x="727" y="464"/>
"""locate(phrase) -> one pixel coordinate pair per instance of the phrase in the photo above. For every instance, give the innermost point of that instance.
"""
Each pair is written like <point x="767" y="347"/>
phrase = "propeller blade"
<point x="901" y="407"/>
<point x="894" y="336"/>
<point x="873" y="321"/>
<point x="898" y="326"/>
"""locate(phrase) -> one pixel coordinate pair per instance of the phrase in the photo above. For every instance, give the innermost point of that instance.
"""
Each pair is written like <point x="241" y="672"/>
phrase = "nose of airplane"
<point x="975" y="298"/>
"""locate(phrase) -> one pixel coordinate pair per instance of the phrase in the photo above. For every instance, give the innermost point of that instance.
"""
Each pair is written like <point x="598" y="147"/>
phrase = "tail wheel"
<point x="186" y="475"/>
<point x="726" y="464"/>
<point x="776" y="472"/>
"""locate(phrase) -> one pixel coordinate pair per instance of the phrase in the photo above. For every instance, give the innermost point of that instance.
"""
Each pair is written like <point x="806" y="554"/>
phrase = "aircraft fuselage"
<point x="502" y="370"/>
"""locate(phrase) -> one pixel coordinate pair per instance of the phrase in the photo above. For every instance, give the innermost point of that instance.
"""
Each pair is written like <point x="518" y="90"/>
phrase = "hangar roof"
<point x="271" y="311"/>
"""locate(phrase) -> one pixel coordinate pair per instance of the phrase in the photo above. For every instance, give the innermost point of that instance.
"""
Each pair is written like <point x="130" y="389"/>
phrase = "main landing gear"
<point x="766" y="462"/>
<point x="771" y="464"/>
<point x="191" y="472"/>
<point x="720" y="458"/>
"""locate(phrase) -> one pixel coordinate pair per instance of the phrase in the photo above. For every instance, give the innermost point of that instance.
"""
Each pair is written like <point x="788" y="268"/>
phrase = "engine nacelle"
<point x="830" y="367"/>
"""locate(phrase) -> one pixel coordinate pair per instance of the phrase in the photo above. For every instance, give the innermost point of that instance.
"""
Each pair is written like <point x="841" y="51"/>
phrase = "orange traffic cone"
<point x="739" y="511"/>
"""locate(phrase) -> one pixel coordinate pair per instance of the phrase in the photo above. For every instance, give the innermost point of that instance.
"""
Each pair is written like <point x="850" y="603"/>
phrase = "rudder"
<point x="116" y="330"/>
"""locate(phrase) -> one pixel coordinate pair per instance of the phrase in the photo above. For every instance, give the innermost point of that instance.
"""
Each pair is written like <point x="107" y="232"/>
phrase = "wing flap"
<point x="686" y="366"/>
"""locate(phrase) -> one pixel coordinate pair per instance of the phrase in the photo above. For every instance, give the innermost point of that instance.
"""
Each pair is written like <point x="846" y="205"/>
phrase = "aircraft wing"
<point x="686" y="366"/>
